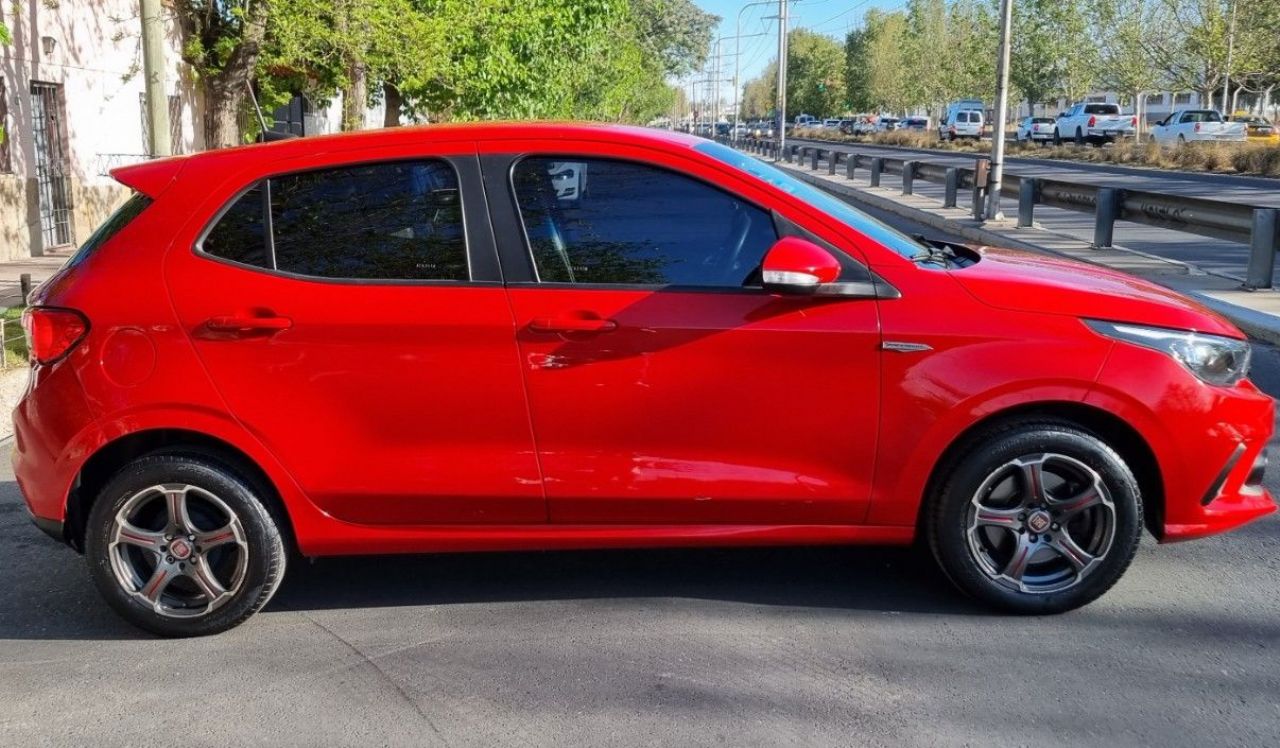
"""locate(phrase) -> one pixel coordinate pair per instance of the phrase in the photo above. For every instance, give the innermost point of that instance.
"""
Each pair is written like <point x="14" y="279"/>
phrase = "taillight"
<point x="1133" y="121"/>
<point x="52" y="333"/>
<point x="1197" y="127"/>
<point x="1093" y="121"/>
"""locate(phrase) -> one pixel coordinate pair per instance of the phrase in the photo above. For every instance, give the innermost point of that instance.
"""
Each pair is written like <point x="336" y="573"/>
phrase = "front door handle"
<point x="248" y="324"/>
<point x="572" y="324"/>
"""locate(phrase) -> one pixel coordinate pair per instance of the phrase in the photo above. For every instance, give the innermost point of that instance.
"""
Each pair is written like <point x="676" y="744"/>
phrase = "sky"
<point x="833" y="17"/>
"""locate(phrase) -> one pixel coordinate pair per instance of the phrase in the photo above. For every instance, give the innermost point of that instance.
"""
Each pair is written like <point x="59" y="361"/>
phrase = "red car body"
<point x="504" y="413"/>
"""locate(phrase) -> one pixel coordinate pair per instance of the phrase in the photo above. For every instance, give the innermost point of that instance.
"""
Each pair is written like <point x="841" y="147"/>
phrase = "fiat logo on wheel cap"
<point x="1039" y="522"/>
<point x="180" y="549"/>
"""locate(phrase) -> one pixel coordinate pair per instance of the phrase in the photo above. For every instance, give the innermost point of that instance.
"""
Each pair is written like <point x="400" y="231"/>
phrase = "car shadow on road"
<point x="862" y="578"/>
<point x="60" y="603"/>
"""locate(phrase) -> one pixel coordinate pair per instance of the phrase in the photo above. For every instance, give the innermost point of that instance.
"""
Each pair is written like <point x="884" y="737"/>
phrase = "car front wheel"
<point x="181" y="545"/>
<point x="1040" y="517"/>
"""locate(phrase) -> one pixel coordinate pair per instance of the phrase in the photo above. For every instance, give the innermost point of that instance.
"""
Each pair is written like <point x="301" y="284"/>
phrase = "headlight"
<point x="1212" y="358"/>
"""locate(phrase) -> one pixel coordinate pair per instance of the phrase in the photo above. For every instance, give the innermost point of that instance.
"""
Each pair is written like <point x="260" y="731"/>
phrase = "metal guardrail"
<point x="1259" y="227"/>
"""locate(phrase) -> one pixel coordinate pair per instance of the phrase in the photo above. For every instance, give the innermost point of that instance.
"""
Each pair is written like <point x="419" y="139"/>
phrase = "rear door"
<point x="665" y="385"/>
<point x="350" y="310"/>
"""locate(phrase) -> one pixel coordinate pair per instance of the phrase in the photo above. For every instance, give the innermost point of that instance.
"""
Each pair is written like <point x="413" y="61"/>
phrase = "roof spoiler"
<point x="150" y="177"/>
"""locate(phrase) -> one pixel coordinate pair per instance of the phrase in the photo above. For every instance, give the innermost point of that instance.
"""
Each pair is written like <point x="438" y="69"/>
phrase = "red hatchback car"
<point x="501" y="337"/>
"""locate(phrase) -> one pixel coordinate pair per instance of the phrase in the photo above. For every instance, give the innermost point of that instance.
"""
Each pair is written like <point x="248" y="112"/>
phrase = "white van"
<point x="963" y="119"/>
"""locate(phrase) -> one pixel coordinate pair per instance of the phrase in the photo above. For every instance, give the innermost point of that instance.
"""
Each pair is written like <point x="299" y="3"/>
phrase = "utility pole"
<point x="1002" y="110"/>
<point x="782" y="76"/>
<point x="737" y="61"/>
<point x="153" y="70"/>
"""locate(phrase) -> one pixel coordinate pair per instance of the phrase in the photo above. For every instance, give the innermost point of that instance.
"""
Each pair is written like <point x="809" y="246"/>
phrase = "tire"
<point x="202" y="574"/>
<point x="1079" y="137"/>
<point x="1057" y="137"/>
<point x="996" y="543"/>
<point x="1182" y="140"/>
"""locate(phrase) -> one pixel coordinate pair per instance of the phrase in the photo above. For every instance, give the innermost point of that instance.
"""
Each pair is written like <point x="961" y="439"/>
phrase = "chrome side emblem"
<point x="901" y="347"/>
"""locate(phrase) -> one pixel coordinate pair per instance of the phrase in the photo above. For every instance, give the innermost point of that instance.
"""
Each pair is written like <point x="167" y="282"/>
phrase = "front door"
<point x="352" y="323"/>
<point x="665" y="385"/>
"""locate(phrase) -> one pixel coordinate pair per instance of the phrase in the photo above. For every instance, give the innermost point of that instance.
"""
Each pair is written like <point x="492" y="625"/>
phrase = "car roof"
<point x="151" y="177"/>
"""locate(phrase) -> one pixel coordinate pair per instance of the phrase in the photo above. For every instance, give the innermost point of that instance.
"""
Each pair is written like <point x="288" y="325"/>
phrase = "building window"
<point x="175" y="125"/>
<point x="1155" y="100"/>
<point x="1097" y="99"/>
<point x="1182" y="98"/>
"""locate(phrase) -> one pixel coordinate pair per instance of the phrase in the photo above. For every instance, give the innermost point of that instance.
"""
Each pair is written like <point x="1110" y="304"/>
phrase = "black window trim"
<point x="781" y="226"/>
<point x="455" y="162"/>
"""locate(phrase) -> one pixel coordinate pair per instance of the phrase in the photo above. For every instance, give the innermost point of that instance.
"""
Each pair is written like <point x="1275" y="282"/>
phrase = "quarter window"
<point x="385" y="221"/>
<point x="605" y="221"/>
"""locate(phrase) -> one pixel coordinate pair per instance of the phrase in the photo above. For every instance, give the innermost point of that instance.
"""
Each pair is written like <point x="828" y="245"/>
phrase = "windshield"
<point x="832" y="206"/>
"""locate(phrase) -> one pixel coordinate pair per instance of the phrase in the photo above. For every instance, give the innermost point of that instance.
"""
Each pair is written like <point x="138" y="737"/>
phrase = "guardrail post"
<point x="908" y="176"/>
<point x="832" y="162"/>
<point x="1026" y="201"/>
<point x="981" y="172"/>
<point x="953" y="186"/>
<point x="877" y="166"/>
<point x="850" y="165"/>
<point x="787" y="153"/>
<point x="1263" y="242"/>
<point x="1104" y="216"/>
<point x="24" y="283"/>
<point x="814" y="158"/>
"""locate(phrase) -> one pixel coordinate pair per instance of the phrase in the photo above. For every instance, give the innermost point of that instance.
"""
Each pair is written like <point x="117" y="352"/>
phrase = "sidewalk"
<point x="1147" y="252"/>
<point x="40" y="269"/>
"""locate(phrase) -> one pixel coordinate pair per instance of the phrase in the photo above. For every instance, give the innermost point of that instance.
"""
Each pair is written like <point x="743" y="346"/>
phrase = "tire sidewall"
<point x="948" y="529"/>
<point x="266" y="558"/>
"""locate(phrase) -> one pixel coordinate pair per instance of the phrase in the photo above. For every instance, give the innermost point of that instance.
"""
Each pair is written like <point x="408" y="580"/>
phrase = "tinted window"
<point x="396" y="221"/>
<point x="240" y="233"/>
<point x="1202" y="115"/>
<point x="602" y="221"/>
<point x="1101" y="109"/>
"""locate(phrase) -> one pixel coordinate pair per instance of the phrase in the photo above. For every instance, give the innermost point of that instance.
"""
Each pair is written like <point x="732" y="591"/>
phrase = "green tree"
<point x="815" y="74"/>
<point x="761" y="93"/>
<point x="223" y="43"/>
<point x="677" y="32"/>
<point x="1123" y="30"/>
<point x="889" y="68"/>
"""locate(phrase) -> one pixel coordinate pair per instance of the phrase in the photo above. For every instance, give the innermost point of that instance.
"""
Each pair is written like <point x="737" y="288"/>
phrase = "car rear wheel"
<point x="1079" y="137"/>
<point x="181" y="545"/>
<point x="1039" y="517"/>
<point x="1057" y="137"/>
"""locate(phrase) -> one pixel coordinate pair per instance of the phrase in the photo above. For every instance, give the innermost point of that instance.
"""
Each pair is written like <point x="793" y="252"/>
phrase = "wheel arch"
<point x="1115" y="431"/>
<point x="108" y="459"/>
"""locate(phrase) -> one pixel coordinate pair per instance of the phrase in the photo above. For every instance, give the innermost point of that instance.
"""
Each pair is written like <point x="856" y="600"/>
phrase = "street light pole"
<point x="1002" y="110"/>
<point x="782" y="76"/>
<point x="737" y="61"/>
<point x="153" y="71"/>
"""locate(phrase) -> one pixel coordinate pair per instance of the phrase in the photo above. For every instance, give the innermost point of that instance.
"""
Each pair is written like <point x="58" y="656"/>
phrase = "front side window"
<point x="384" y="221"/>
<point x="593" y="220"/>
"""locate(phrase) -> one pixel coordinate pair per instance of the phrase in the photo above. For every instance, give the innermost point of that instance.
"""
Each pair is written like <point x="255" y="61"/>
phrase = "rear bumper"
<point x="46" y="423"/>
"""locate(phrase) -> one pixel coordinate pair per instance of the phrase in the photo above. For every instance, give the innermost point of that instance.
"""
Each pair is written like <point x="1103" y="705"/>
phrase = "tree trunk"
<point x="354" y="97"/>
<point x="394" y="101"/>
<point x="225" y="92"/>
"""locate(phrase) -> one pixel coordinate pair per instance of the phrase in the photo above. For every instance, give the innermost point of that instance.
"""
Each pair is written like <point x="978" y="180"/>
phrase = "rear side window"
<point x="386" y="221"/>
<point x="1101" y="109"/>
<point x="606" y="221"/>
<point x="123" y="216"/>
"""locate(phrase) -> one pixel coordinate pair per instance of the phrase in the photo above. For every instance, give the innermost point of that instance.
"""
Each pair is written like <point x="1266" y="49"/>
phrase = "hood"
<point x="1026" y="282"/>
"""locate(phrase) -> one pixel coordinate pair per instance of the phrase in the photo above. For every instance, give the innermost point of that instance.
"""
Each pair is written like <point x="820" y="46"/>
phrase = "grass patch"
<point x="15" y="343"/>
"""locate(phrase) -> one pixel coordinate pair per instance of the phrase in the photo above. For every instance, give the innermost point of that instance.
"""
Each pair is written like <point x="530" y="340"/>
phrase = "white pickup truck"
<point x="1192" y="125"/>
<point x="1095" y="123"/>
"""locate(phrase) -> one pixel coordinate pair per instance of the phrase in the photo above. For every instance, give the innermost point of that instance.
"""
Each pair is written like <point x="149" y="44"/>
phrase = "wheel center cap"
<point x="1039" y="521"/>
<point x="180" y="549"/>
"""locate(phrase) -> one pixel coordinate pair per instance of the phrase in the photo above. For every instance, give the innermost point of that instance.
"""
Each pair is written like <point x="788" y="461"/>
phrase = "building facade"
<point x="72" y="107"/>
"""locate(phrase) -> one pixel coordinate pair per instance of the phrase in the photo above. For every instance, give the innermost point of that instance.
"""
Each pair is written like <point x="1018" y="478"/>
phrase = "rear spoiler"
<point x="150" y="177"/>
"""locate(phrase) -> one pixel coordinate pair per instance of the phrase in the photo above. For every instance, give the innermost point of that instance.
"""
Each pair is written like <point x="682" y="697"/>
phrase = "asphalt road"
<point x="1257" y="191"/>
<point x="847" y="646"/>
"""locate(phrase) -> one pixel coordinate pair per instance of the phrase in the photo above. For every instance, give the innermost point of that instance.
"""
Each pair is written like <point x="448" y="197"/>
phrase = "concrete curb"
<point x="1255" y="323"/>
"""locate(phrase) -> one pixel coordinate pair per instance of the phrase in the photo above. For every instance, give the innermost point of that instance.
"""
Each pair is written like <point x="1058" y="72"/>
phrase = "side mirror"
<point x="796" y="266"/>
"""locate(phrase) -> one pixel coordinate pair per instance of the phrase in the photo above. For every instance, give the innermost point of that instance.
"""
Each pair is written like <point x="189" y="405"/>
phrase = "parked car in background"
<point x="831" y="123"/>
<point x="806" y="120"/>
<point x="950" y="116"/>
<point x="422" y="340"/>
<point x="1094" y="122"/>
<point x="966" y="123"/>
<point x="887" y="124"/>
<point x="916" y="124"/>
<point x="847" y="125"/>
<point x="1034" y="130"/>
<point x="865" y="125"/>
<point x="1257" y="129"/>
<point x="1197" y="126"/>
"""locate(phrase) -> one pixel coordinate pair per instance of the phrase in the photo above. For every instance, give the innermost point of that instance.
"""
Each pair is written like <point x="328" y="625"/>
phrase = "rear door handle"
<point x="242" y="324"/>
<point x="572" y="324"/>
